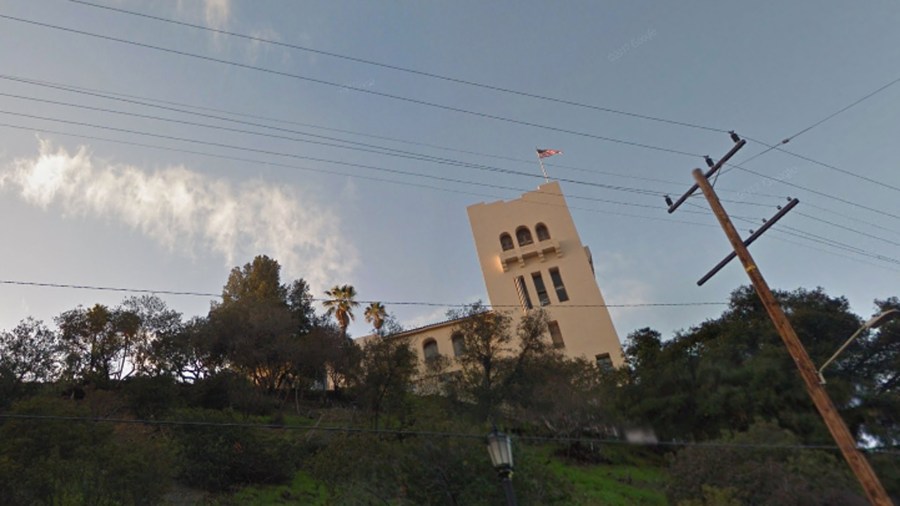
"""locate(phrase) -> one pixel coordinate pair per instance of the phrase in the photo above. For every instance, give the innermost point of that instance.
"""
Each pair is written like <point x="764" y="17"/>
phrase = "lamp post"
<point x="874" y="322"/>
<point x="499" y="446"/>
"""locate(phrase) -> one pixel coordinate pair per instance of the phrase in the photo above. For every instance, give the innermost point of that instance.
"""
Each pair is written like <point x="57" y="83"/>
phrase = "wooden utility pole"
<point x="864" y="473"/>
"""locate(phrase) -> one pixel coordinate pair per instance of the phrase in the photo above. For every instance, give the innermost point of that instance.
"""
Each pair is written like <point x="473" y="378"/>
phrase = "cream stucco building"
<point x="531" y="256"/>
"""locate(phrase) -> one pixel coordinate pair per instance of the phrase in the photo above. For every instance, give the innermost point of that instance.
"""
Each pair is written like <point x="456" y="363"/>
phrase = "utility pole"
<point x="872" y="487"/>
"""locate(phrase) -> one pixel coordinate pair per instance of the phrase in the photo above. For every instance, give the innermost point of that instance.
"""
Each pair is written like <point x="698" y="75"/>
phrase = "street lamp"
<point x="874" y="322"/>
<point x="499" y="446"/>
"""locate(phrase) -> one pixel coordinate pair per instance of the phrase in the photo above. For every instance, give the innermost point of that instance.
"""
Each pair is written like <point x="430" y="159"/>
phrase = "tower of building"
<point x="531" y="256"/>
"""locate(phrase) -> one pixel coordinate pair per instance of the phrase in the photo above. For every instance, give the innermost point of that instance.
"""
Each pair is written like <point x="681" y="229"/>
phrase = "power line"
<point x="418" y="433"/>
<point x="356" y="165"/>
<point x="315" y="299"/>
<point x="822" y="194"/>
<point x="144" y="101"/>
<point x="405" y="69"/>
<point x="337" y="162"/>
<point x="802" y="234"/>
<point x="360" y="176"/>
<point x="130" y="99"/>
<point x="377" y="150"/>
<point x="849" y="229"/>
<point x="353" y="88"/>
<point x="777" y="146"/>
<point x="794" y="232"/>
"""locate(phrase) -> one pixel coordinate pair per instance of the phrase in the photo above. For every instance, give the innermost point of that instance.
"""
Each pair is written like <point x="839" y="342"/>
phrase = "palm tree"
<point x="375" y="314"/>
<point x="341" y="304"/>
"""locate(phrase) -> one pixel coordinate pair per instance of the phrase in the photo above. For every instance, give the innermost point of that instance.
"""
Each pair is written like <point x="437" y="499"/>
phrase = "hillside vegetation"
<point x="134" y="405"/>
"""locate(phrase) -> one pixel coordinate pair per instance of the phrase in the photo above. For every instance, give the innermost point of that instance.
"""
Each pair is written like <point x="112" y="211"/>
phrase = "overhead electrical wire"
<point x="769" y="147"/>
<point x="357" y="176"/>
<point x="353" y="88"/>
<point x="797" y="233"/>
<point x="835" y="243"/>
<point x="377" y="149"/>
<point x="802" y="234"/>
<point x="422" y="433"/>
<point x="777" y="146"/>
<point x="408" y="155"/>
<point x="317" y="299"/>
<point x="347" y="163"/>
<point x="406" y="69"/>
<point x="816" y="192"/>
<point x="184" y="108"/>
<point x="849" y="229"/>
<point x="851" y="218"/>
<point x="324" y="160"/>
<point x="137" y="100"/>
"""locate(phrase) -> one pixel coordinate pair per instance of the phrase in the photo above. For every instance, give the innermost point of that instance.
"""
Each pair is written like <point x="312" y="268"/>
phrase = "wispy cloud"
<point x="185" y="210"/>
<point x="217" y="13"/>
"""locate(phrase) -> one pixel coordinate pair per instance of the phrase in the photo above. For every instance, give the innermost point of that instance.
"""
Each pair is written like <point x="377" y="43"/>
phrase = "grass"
<point x="613" y="484"/>
<point x="302" y="490"/>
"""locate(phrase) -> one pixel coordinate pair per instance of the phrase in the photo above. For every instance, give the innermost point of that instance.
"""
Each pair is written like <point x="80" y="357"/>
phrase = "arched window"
<point x="430" y="348"/>
<point x="523" y="235"/>
<point x="506" y="241"/>
<point x="459" y="344"/>
<point x="542" y="233"/>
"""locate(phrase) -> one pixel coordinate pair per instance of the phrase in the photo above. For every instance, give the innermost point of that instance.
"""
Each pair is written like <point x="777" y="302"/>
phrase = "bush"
<point x="151" y="397"/>
<point x="756" y="474"/>
<point x="228" y="390"/>
<point x="370" y="469"/>
<point x="215" y="455"/>
<point x="61" y="461"/>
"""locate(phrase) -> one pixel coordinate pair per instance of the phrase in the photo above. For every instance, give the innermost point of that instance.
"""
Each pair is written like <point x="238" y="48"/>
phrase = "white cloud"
<point x="217" y="13"/>
<point x="185" y="210"/>
<point x="256" y="48"/>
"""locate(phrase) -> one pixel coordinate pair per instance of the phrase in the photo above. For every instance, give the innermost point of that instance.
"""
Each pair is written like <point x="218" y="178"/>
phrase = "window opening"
<point x="558" y="285"/>
<point x="542" y="233"/>
<point x="430" y="348"/>
<point x="523" y="235"/>
<point x="556" y="334"/>
<point x="543" y="297"/>
<point x="506" y="241"/>
<point x="459" y="344"/>
<point x="522" y="290"/>
<point x="604" y="362"/>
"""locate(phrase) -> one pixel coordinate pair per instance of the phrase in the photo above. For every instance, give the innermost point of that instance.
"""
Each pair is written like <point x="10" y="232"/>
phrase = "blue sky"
<point x="99" y="206"/>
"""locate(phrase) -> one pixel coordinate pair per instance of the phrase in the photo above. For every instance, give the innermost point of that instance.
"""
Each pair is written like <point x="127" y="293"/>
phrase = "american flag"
<point x="544" y="153"/>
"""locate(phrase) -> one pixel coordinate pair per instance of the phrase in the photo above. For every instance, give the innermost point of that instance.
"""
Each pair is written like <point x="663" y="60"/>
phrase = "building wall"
<point x="584" y="323"/>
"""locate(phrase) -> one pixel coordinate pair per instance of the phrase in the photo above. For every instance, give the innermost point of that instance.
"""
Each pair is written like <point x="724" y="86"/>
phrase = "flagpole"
<point x="541" y="161"/>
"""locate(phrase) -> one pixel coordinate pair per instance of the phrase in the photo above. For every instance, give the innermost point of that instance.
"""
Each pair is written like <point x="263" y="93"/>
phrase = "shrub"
<point x="61" y="461"/>
<point x="755" y="473"/>
<point x="217" y="451"/>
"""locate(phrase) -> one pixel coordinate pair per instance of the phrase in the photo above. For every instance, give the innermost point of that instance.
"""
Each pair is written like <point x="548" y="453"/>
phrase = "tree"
<point x="761" y="466"/>
<point x="156" y="321"/>
<point x="871" y="365"/>
<point x="340" y="305"/>
<point x="386" y="369"/>
<point x="492" y="369"/>
<point x="255" y="327"/>
<point x="375" y="314"/>
<point x="727" y="372"/>
<point x="30" y="352"/>
<point x="257" y="280"/>
<point x="95" y="341"/>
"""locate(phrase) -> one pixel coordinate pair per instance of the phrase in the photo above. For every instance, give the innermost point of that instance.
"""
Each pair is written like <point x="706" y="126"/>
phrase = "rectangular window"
<point x="604" y="362"/>
<point x="556" y="335"/>
<point x="558" y="285"/>
<point x="522" y="290"/>
<point x="543" y="297"/>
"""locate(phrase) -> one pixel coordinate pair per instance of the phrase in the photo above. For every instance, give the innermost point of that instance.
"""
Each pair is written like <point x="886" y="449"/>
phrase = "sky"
<point x="144" y="154"/>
